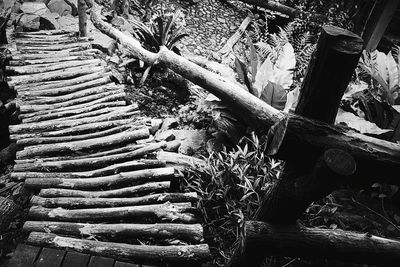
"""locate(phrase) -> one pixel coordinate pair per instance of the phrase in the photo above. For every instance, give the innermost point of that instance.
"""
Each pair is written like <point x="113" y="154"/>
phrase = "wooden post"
<point x="82" y="18"/>
<point x="377" y="24"/>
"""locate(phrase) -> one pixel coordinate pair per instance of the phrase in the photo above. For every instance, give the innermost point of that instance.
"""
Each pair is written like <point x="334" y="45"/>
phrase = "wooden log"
<point x="80" y="82"/>
<point x="61" y="139"/>
<point x="137" y="253"/>
<point x="168" y="212"/>
<point x="56" y="47"/>
<point x="75" y="202"/>
<point x="49" y="115"/>
<point x="42" y="69"/>
<point x="92" y="163"/>
<point x="56" y="75"/>
<point x="118" y="94"/>
<point x="75" y="95"/>
<point x="184" y="160"/>
<point x="80" y="129"/>
<point x="291" y="12"/>
<point x="76" y="146"/>
<point x="47" y="126"/>
<point x="89" y="52"/>
<point x="114" y="90"/>
<point x="136" y="190"/>
<point x="192" y="233"/>
<point x="329" y="73"/>
<point x="35" y="50"/>
<point x="294" y="192"/>
<point x="108" y="170"/>
<point x="227" y="48"/>
<point x="78" y="116"/>
<point x="52" y="42"/>
<point x="93" y="183"/>
<point x="297" y="241"/>
<point x="47" y="60"/>
<point x="82" y="18"/>
<point x="46" y="33"/>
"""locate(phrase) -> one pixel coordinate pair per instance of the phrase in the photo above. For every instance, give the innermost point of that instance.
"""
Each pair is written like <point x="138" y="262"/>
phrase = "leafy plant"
<point x="385" y="70"/>
<point x="165" y="29"/>
<point x="231" y="192"/>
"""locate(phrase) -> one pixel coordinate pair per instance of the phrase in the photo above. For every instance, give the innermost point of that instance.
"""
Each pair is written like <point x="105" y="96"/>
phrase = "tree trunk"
<point x="137" y="253"/>
<point x="85" y="203"/>
<point x="314" y="243"/>
<point x="192" y="233"/>
<point x="167" y="212"/>
<point x="82" y="18"/>
<point x="93" y="183"/>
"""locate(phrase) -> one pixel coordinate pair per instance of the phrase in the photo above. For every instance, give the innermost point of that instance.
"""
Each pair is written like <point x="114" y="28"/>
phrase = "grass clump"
<point x="231" y="191"/>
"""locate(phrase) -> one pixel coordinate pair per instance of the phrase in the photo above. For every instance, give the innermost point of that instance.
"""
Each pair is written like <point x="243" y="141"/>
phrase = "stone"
<point x="100" y="40"/>
<point x="74" y="6"/>
<point x="169" y="123"/>
<point x="68" y="23"/>
<point x="60" y="7"/>
<point x="49" y="21"/>
<point x="36" y="8"/>
<point x="29" y="22"/>
<point x="173" y="146"/>
<point x="165" y="136"/>
<point x="155" y="125"/>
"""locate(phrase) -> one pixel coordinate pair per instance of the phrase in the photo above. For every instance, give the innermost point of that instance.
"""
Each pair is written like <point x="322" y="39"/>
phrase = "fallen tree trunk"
<point x="83" y="203"/>
<point x="376" y="159"/>
<point x="227" y="48"/>
<point x="136" y="253"/>
<point x="136" y="190"/>
<point x="108" y="170"/>
<point x="297" y="241"/>
<point x="168" y="212"/>
<point x="115" y="232"/>
<point x="93" y="183"/>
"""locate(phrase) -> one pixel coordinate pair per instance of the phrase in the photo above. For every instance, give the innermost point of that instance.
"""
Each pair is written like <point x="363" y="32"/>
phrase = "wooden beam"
<point x="377" y="24"/>
<point x="82" y="18"/>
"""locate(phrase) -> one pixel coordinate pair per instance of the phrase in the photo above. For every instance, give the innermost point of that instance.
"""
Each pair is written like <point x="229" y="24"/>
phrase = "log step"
<point x="80" y="155"/>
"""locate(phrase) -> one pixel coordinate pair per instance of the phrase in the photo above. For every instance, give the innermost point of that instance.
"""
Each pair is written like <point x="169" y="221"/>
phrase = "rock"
<point x="60" y="7"/>
<point x="29" y="22"/>
<point x="155" y="125"/>
<point x="173" y="146"/>
<point x="165" y="136"/>
<point x="122" y="24"/>
<point x="36" y="8"/>
<point x="169" y="123"/>
<point x="100" y="40"/>
<point x="49" y="21"/>
<point x="68" y="23"/>
<point x="74" y="6"/>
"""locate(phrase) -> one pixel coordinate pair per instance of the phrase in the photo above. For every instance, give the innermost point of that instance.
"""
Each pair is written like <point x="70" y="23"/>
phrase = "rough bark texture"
<point x="136" y="253"/>
<point x="314" y="243"/>
<point x="115" y="232"/>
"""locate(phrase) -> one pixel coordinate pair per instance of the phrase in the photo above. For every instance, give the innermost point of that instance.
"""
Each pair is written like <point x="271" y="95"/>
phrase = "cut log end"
<point x="340" y="162"/>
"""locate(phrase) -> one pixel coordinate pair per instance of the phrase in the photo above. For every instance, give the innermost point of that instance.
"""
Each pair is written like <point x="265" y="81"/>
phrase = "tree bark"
<point x="108" y="170"/>
<point x="36" y="56"/>
<point x="167" y="212"/>
<point x="84" y="203"/>
<point x="110" y="181"/>
<point x="314" y="243"/>
<point x="136" y="190"/>
<point x="184" y="160"/>
<point x="56" y="47"/>
<point x="329" y="73"/>
<point x="49" y="67"/>
<point x="82" y="18"/>
<point x="28" y="62"/>
<point x="96" y="162"/>
<point x="137" y="253"/>
<point x="35" y="42"/>
<point x="192" y="233"/>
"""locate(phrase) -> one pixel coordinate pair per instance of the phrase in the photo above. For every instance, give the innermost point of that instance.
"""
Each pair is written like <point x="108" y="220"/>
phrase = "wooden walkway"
<point x="86" y="155"/>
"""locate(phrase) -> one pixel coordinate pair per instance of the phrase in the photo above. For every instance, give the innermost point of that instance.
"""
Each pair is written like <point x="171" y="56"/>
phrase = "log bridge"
<point x="99" y="199"/>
